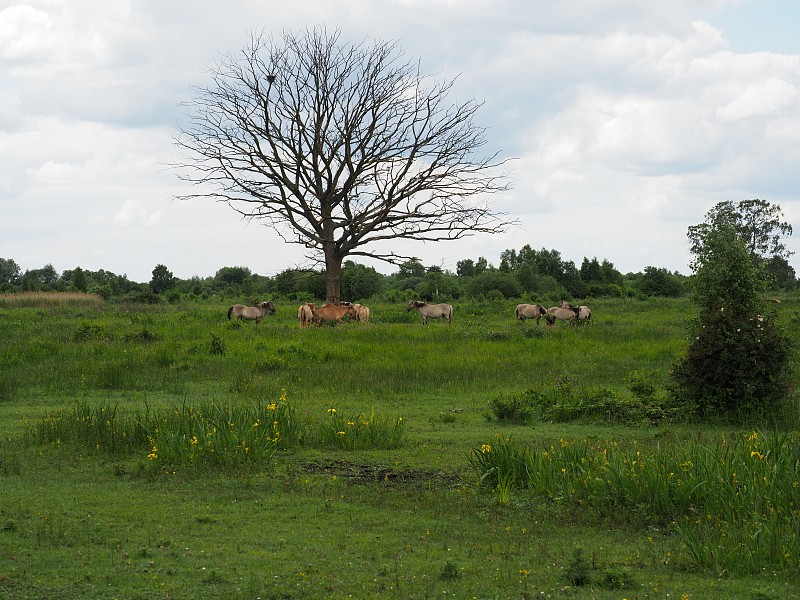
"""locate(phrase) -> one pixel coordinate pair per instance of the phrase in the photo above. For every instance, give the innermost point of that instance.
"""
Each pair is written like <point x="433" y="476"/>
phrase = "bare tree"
<point x="338" y="146"/>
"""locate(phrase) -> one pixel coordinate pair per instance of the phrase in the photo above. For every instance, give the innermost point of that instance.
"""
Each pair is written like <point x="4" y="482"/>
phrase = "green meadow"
<point x="167" y="452"/>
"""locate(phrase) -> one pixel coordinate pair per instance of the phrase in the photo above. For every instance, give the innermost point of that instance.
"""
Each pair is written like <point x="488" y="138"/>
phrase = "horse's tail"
<point x="230" y="310"/>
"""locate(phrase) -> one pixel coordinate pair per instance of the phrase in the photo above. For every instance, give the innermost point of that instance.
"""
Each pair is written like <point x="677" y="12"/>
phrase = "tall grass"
<point x="361" y="431"/>
<point x="203" y="435"/>
<point x="210" y="434"/>
<point x="734" y="501"/>
<point x="49" y="299"/>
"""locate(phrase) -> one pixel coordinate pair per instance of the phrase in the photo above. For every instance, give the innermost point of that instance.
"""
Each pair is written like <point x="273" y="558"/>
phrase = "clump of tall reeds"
<point x="361" y="431"/>
<point x="734" y="501"/>
<point x="49" y="299"/>
<point x="211" y="435"/>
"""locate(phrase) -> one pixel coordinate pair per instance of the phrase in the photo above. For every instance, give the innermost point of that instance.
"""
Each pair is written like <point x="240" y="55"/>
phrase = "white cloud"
<point x="629" y="120"/>
<point x="767" y="98"/>
<point x="133" y="213"/>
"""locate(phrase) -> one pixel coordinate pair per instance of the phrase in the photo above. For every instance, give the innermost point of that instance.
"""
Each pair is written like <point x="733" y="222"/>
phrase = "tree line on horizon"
<point x="523" y="273"/>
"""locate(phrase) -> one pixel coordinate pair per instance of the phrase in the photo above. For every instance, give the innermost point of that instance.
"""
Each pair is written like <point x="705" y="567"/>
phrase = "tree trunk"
<point x="333" y="275"/>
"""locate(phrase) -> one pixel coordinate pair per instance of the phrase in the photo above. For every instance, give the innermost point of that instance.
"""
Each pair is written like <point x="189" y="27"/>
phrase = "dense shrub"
<point x="735" y="365"/>
<point x="504" y="283"/>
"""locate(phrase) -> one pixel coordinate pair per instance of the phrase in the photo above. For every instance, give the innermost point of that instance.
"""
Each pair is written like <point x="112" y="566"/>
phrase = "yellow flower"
<point x="331" y="411"/>
<point x="272" y="406"/>
<point x="193" y="440"/>
<point x="486" y="448"/>
<point x="340" y="433"/>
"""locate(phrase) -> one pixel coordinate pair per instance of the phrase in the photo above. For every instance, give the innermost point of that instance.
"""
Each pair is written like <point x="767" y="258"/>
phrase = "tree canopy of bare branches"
<point x="338" y="146"/>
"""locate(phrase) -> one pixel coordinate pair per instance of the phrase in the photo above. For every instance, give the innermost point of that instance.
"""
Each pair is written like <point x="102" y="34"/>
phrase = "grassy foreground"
<point x="91" y="513"/>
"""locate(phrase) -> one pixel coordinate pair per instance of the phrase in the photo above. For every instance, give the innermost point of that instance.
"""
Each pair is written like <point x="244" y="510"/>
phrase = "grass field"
<point x="425" y="507"/>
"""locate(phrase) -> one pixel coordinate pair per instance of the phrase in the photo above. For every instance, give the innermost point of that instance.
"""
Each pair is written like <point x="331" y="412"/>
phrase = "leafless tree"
<point x="338" y="146"/>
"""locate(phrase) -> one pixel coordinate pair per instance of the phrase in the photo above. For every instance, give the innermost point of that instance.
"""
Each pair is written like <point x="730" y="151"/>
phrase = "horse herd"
<point x="309" y="313"/>
<point x="564" y="312"/>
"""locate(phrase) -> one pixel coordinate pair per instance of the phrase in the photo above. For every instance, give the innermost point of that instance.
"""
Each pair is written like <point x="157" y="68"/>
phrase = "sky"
<point x="625" y="122"/>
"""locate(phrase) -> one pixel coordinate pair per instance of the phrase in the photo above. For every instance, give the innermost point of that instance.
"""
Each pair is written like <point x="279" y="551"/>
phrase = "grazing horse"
<point x="434" y="311"/>
<point x="362" y="313"/>
<point x="332" y="312"/>
<point x="251" y="313"/>
<point x="530" y="311"/>
<point x="584" y="313"/>
<point x="305" y="314"/>
<point x="562" y="314"/>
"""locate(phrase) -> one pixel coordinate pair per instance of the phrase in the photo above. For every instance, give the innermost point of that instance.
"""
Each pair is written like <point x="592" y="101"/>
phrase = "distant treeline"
<point x="526" y="273"/>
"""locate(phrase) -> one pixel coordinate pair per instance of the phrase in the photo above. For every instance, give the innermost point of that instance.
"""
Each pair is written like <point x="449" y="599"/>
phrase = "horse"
<point x="332" y="312"/>
<point x="435" y="311"/>
<point x="530" y="311"/>
<point x="584" y="313"/>
<point x="562" y="314"/>
<point x="362" y="312"/>
<point x="251" y="313"/>
<point x="305" y="314"/>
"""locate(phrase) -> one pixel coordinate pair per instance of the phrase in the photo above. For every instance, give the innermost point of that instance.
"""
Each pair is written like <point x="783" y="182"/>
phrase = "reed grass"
<point x="734" y="501"/>
<point x="211" y="435"/>
<point x="49" y="299"/>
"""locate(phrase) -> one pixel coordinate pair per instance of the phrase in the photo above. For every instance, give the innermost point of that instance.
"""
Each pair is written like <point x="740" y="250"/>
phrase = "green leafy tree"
<point x="494" y="280"/>
<point x="9" y="272"/>
<point x="411" y="268"/>
<point x="360" y="282"/>
<point x="591" y="272"/>
<point x="782" y="274"/>
<point x="162" y="279"/>
<point x="756" y="222"/>
<point x="438" y="285"/>
<point x="659" y="282"/>
<point x="610" y="273"/>
<point x="79" y="281"/>
<point x="300" y="283"/>
<point x="232" y="276"/>
<point x="465" y="268"/>
<point x="738" y="362"/>
<point x="45" y="279"/>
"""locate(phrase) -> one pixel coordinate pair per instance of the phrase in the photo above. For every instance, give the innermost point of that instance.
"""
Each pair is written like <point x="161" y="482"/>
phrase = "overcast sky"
<point x="628" y="121"/>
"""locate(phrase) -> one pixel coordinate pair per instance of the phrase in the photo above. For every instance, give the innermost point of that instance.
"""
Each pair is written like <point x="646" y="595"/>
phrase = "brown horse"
<point x="332" y="312"/>
<point x="251" y="313"/>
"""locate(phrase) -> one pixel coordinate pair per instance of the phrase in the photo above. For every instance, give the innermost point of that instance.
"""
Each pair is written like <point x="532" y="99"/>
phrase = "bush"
<point x="89" y="332"/>
<point x="513" y="408"/>
<point x="504" y="285"/>
<point x="735" y="366"/>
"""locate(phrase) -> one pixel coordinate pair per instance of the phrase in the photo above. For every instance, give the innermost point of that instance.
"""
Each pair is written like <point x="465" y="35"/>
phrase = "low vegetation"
<point x="164" y="451"/>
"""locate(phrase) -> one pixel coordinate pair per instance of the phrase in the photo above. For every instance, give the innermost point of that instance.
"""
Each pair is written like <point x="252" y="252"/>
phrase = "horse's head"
<point x="269" y="307"/>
